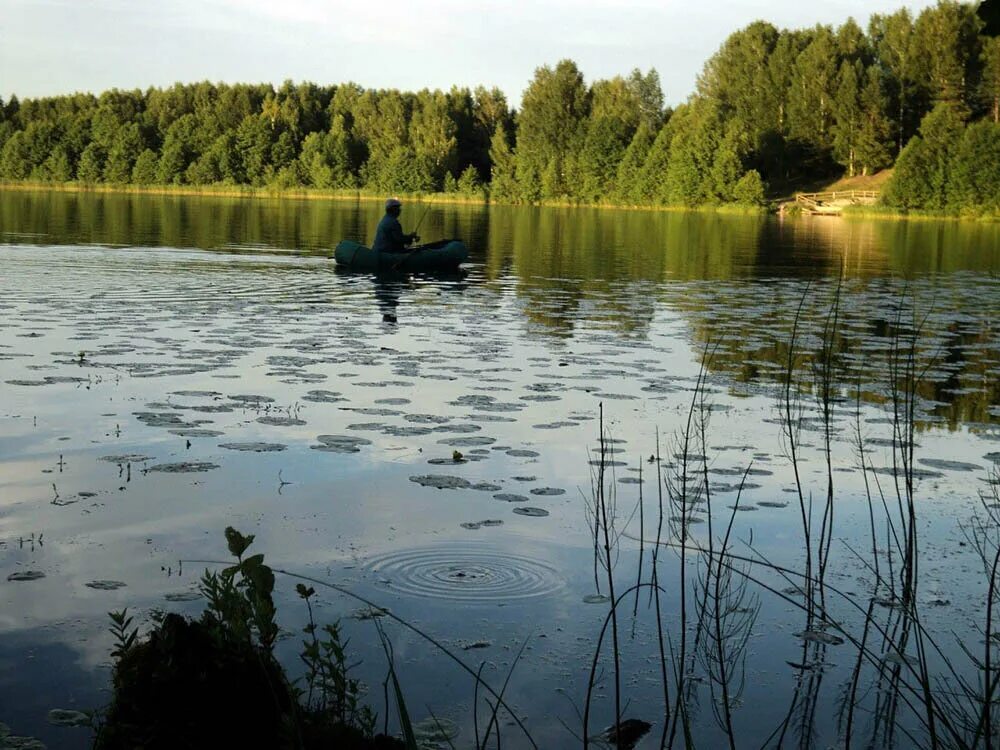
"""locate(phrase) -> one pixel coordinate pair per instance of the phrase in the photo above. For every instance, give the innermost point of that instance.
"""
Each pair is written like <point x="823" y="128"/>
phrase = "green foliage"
<point x="144" y="171"/>
<point x="188" y="680"/>
<point x="793" y="105"/>
<point x="974" y="171"/>
<point x="750" y="190"/>
<point x="551" y="125"/>
<point x="923" y="171"/>
<point x="503" y="175"/>
<point x="91" y="166"/>
<point x="123" y="153"/>
<point x="628" y="179"/>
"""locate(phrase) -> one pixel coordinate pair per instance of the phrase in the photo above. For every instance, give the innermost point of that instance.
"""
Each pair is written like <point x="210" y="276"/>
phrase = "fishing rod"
<point x="421" y="221"/>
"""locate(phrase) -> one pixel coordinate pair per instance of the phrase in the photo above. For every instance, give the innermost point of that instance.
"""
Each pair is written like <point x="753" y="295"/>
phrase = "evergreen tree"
<point x="144" y="171"/>
<point x="603" y="149"/>
<point x="921" y="176"/>
<point x="652" y="187"/>
<point x="892" y="39"/>
<point x="124" y="150"/>
<point x="873" y="143"/>
<point x="553" y="112"/>
<point x="947" y="51"/>
<point x="847" y="117"/>
<point x="749" y="190"/>
<point x="432" y="136"/>
<point x="990" y="88"/>
<point x="503" y="174"/>
<point x="15" y="163"/>
<point x="628" y="178"/>
<point x="91" y="167"/>
<point x="974" y="176"/>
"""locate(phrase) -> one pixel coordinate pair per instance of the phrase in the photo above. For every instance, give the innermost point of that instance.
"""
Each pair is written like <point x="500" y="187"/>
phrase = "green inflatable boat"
<point x="443" y="255"/>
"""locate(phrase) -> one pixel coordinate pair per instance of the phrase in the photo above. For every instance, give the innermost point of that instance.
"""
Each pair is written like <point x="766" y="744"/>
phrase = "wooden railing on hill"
<point x="833" y="202"/>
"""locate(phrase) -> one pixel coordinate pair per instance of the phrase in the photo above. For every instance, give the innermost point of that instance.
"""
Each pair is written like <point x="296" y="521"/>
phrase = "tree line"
<point x="771" y="106"/>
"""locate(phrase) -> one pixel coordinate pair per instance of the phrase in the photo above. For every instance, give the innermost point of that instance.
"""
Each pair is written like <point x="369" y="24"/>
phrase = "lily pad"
<point x="510" y="497"/>
<point x="254" y="447"/>
<point x="441" y="481"/>
<point x="126" y="458"/>
<point x="547" y="491"/>
<point x="26" y="575"/>
<point x="820" y="636"/>
<point x="184" y="467"/>
<point x="472" y="440"/>
<point x="523" y="453"/>
<point x="527" y="510"/>
<point x="64" y="717"/>
<point x="281" y="421"/>
<point x="105" y="585"/>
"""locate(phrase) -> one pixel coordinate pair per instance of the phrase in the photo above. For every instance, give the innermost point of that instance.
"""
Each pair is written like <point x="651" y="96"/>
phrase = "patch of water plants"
<point x="188" y="682"/>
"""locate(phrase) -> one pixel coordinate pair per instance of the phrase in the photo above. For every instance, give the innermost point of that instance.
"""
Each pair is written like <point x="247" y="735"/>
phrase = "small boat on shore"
<point x="443" y="255"/>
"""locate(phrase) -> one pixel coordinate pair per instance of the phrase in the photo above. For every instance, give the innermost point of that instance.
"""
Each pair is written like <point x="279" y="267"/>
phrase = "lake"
<point x="170" y="366"/>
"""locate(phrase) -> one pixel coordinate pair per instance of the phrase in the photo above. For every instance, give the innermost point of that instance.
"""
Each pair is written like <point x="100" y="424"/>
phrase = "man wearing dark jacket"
<point x="389" y="237"/>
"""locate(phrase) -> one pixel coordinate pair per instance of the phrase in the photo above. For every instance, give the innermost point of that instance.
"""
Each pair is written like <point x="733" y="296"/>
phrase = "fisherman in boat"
<point x="389" y="237"/>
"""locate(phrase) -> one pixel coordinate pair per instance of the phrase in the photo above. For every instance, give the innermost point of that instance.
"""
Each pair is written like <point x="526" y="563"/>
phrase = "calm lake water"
<point x="170" y="366"/>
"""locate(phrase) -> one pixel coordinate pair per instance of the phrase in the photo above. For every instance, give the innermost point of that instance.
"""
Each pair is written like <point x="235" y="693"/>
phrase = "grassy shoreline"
<point x="358" y="196"/>
<point x="305" y="193"/>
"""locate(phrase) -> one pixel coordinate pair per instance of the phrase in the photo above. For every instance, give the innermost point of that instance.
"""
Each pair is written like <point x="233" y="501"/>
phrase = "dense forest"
<point x="778" y="107"/>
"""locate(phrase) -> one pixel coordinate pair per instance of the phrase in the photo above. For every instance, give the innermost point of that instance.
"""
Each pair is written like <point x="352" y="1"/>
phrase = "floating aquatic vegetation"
<point x="375" y="411"/>
<point x="197" y="394"/>
<point x="126" y="458"/>
<point x="427" y="418"/>
<point x="340" y="443"/>
<point x="509" y="497"/>
<point x="367" y="426"/>
<point x="105" y="585"/>
<point x="323" y="397"/>
<point x="183" y="596"/>
<point x="406" y="430"/>
<point x="547" y="491"/>
<point x="461" y="429"/>
<point x="396" y="401"/>
<point x="523" y="453"/>
<point x="161" y="419"/>
<point x="527" y="510"/>
<point x="596" y="599"/>
<point x="196" y="432"/>
<point x="771" y="504"/>
<point x="942" y="463"/>
<point x="281" y="421"/>
<point x="473" y="525"/>
<point x="254" y="447"/>
<point x="26" y="575"/>
<point x="441" y="481"/>
<point x="447" y="461"/>
<point x="183" y="467"/>
<point x="484" y="486"/>
<point x="210" y="408"/>
<point x="64" y="717"/>
<point x="251" y="398"/>
<point x="631" y="480"/>
<point x="820" y="636"/>
<point x="463" y="442"/>
<point x="554" y="425"/>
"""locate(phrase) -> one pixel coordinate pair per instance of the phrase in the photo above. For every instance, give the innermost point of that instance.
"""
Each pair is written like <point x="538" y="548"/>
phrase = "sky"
<point x="61" y="46"/>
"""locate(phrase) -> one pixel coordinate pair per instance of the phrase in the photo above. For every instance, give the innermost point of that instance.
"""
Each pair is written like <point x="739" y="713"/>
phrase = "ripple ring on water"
<point x="467" y="574"/>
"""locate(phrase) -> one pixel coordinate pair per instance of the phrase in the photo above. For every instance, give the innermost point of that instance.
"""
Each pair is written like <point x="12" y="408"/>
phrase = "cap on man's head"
<point x="392" y="203"/>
